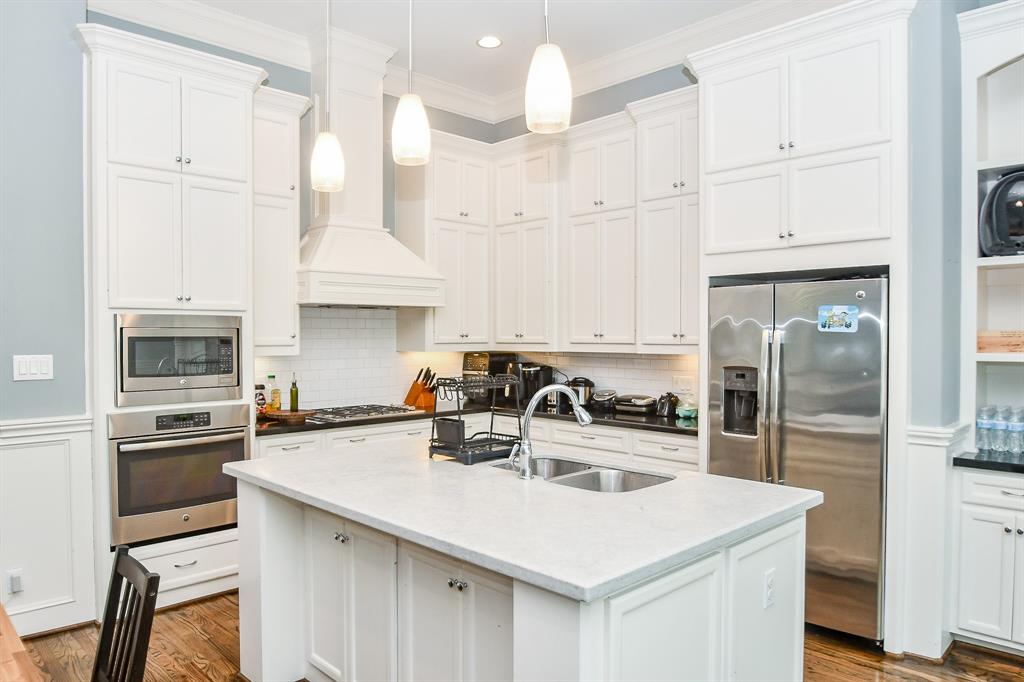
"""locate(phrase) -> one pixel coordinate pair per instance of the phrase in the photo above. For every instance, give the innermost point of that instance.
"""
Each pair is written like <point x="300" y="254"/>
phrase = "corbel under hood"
<point x="347" y="258"/>
<point x="364" y="267"/>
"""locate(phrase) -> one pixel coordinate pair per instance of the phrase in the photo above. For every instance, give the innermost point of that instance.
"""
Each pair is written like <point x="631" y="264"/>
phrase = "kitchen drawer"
<point x="539" y="431"/>
<point x="608" y="458"/>
<point x="288" y="445"/>
<point x="994" y="490"/>
<point x="591" y="438"/>
<point x="679" y="449"/>
<point x="658" y="464"/>
<point x="194" y="564"/>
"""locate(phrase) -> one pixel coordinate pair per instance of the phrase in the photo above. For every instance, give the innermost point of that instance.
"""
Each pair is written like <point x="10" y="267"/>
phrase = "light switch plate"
<point x="13" y="577"/>
<point x="33" y="367"/>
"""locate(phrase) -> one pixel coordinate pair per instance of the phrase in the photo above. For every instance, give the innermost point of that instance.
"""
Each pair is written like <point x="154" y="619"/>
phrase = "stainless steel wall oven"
<point x="166" y="474"/>
<point x="177" y="358"/>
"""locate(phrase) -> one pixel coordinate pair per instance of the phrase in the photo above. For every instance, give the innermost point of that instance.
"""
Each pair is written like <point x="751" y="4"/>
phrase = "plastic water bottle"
<point x="998" y="440"/>
<point x="983" y="432"/>
<point x="1015" y="432"/>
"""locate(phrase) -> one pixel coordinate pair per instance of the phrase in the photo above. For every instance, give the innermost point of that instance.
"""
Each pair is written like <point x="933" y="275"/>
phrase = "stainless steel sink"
<point x="551" y="467"/>
<point x="611" y="480"/>
<point x="589" y="476"/>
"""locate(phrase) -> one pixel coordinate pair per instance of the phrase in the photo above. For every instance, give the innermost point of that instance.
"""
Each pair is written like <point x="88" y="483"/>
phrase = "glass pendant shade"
<point x="410" y="132"/>
<point x="548" y="91"/>
<point x="327" y="164"/>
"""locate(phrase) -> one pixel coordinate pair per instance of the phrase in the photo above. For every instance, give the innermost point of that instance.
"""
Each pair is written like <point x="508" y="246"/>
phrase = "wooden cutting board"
<point x="287" y="416"/>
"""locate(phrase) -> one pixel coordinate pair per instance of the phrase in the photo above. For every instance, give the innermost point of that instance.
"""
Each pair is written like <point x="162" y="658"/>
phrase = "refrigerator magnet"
<point x="841" y="319"/>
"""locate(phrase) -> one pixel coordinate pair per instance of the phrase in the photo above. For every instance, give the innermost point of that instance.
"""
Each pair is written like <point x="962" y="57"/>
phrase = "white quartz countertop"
<point x="582" y="544"/>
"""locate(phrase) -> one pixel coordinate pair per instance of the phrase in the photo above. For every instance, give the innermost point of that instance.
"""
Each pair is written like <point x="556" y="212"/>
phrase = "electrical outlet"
<point x="13" y="580"/>
<point x="683" y="383"/>
<point x="768" y="598"/>
<point x="33" y="367"/>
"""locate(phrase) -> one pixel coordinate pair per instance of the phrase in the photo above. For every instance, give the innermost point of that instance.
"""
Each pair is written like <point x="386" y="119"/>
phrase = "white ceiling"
<point x="445" y="31"/>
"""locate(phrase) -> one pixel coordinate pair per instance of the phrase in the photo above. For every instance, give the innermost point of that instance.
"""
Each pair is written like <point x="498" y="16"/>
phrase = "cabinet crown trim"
<point x="96" y="39"/>
<point x="997" y="18"/>
<point x="664" y="102"/>
<point x="819" y="26"/>
<point x="287" y="102"/>
<point x="937" y="436"/>
<point x="616" y="122"/>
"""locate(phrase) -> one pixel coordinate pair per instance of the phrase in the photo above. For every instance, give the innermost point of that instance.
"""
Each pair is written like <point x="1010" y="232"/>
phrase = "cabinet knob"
<point x="291" y="186"/>
<point x="791" y="144"/>
<point x="675" y="336"/>
<point x="451" y="582"/>
<point x="595" y="202"/>
<point x="782" y="146"/>
<point x="782" y="235"/>
<point x="600" y="336"/>
<point x="461" y="585"/>
<point x="177" y="159"/>
<point x="293" y="336"/>
<point x="601" y="202"/>
<point x="188" y="299"/>
<point x="180" y="299"/>
<point x="789" y="233"/>
<point x="188" y="159"/>
<point x="1020" y="531"/>
<point x="682" y="183"/>
<point x="1007" y="529"/>
<point x="682" y="335"/>
<point x="675" y="185"/>
<point x="341" y="537"/>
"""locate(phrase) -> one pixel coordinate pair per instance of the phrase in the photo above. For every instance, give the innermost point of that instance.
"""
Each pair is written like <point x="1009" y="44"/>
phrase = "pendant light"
<point x="327" y="163"/>
<point x="410" y="129"/>
<point x="548" y="87"/>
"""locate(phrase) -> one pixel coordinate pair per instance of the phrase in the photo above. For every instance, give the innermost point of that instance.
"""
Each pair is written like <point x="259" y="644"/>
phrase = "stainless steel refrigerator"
<point x="797" y="396"/>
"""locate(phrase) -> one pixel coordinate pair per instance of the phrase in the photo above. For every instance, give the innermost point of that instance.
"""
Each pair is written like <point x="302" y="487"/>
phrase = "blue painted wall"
<point x="42" y="292"/>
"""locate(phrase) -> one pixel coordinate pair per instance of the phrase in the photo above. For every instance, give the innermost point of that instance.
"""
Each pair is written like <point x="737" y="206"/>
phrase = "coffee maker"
<point x="489" y="364"/>
<point x="535" y="377"/>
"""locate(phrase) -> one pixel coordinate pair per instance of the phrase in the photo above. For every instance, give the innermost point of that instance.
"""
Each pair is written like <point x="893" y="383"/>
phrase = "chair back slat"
<point x="127" y="621"/>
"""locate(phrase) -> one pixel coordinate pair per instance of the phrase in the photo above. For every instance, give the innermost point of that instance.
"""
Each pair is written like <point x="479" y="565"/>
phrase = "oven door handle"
<point x="181" y="442"/>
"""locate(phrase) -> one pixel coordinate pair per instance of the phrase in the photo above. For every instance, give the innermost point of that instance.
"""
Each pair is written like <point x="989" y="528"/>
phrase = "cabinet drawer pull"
<point x="290" y="448"/>
<point x="585" y="437"/>
<point x="357" y="440"/>
<point x="291" y="186"/>
<point x="669" y="448"/>
<point x="341" y="537"/>
<point x="187" y="564"/>
<point x="414" y="433"/>
<point x="782" y="146"/>
<point x="1010" y="493"/>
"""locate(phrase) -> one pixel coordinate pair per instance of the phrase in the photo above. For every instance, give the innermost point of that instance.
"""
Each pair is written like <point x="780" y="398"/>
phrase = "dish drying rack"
<point x="448" y="436"/>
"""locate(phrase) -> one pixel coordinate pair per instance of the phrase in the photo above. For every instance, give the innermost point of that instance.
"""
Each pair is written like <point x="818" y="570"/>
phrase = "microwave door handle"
<point x="181" y="442"/>
<point x="762" y="406"/>
<point x="775" y="406"/>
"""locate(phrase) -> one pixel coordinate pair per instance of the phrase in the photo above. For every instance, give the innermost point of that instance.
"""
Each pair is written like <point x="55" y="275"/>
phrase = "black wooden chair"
<point x="127" y="621"/>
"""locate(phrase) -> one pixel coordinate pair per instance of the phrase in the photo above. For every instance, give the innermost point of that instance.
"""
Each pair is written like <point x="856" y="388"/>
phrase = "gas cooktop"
<point x="335" y="415"/>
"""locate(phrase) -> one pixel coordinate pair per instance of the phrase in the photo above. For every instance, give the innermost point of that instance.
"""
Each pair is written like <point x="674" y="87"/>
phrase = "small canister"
<point x="261" y="400"/>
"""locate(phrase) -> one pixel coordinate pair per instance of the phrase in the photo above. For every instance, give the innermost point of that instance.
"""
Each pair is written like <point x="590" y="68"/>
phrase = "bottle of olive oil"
<point x="294" y="395"/>
<point x="275" y="392"/>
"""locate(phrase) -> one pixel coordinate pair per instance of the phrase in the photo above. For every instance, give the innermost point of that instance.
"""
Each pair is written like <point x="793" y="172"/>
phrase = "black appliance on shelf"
<point x="535" y="377"/>
<point x="485" y="364"/>
<point x="1001" y="212"/>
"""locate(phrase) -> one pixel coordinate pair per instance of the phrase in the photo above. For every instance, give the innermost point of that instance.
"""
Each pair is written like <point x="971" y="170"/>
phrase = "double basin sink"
<point x="584" y="476"/>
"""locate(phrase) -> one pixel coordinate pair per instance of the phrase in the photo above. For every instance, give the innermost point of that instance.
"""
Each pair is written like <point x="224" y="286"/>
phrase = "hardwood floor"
<point x="199" y="642"/>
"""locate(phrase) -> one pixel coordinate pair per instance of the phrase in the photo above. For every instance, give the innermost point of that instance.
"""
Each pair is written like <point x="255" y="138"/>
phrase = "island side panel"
<point x="270" y="586"/>
<point x="546" y="642"/>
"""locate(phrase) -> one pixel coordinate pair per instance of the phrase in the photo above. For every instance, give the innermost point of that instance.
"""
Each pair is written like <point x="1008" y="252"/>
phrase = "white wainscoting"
<point x="927" y="551"/>
<point x="46" y="528"/>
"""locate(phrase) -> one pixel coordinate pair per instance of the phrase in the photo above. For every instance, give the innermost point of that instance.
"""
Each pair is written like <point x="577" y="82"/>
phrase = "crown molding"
<point x="673" y="100"/>
<point x="440" y="94"/>
<point x="937" y="436"/>
<point x="208" y="24"/>
<point x="1003" y="16"/>
<point x="287" y="102"/>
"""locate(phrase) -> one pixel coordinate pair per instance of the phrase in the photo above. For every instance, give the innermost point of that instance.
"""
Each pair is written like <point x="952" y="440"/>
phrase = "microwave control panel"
<point x="186" y="420"/>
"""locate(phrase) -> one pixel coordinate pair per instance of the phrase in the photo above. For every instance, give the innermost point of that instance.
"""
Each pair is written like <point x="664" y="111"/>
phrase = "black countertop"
<point x="679" y="427"/>
<point x="993" y="461"/>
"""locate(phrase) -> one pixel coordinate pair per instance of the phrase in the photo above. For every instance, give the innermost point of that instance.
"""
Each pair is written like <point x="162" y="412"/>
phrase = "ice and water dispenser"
<point x="740" y="400"/>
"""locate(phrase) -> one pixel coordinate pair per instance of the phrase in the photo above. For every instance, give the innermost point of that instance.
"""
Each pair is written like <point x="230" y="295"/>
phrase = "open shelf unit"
<point x="992" y="72"/>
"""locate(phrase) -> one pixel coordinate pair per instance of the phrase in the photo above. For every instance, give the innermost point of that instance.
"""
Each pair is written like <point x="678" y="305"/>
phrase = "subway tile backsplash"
<point x="348" y="357"/>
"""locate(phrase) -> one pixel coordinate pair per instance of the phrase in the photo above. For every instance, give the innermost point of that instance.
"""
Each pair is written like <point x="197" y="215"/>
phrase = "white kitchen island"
<point x="358" y="565"/>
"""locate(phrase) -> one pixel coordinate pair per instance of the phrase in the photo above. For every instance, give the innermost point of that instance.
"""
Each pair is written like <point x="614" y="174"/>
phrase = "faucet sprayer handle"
<point x="513" y="457"/>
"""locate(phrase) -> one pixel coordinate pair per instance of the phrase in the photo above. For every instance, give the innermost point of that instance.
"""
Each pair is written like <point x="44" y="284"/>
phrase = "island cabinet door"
<point x="429" y="616"/>
<point x="352" y="631"/>
<point x="486" y="625"/>
<point x="669" y="628"/>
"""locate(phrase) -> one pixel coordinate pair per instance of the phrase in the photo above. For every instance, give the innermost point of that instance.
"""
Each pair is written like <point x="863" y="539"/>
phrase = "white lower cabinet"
<point x="351" y="572"/>
<point x="990" y="557"/>
<point x="192" y="567"/>
<point x="454" y="620"/>
<point x="679" y="614"/>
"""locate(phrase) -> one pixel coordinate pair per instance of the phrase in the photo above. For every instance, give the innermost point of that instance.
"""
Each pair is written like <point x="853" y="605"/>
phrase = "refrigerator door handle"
<point x="776" y="472"/>
<point x="762" y="406"/>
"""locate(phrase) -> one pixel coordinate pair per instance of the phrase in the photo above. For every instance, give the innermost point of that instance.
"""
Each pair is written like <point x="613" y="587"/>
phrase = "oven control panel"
<point x="185" y="420"/>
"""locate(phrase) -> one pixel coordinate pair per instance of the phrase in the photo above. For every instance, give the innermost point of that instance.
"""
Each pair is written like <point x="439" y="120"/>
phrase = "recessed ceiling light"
<point x="489" y="42"/>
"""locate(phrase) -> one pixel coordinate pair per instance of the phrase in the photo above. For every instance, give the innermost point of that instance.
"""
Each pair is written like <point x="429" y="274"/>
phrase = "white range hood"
<point x="347" y="258"/>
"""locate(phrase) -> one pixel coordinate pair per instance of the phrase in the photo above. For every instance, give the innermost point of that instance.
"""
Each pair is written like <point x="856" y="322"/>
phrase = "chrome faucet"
<point x="524" y="451"/>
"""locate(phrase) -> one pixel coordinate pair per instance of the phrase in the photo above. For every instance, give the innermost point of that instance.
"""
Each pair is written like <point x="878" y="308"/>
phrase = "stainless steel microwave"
<point x="177" y="359"/>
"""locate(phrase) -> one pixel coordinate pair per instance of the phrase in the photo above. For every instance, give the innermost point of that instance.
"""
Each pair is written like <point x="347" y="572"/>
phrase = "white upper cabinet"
<point x="583" y="243"/>
<point x="839" y="93"/>
<point x="745" y="210"/>
<point x="521" y="191"/>
<point x="461" y="188"/>
<point x="744" y="115"/>
<point x="448" y="318"/>
<point x="658" y="286"/>
<point x="276" y="221"/>
<point x="144" y="115"/>
<point x="602" y="173"/>
<point x="601" y="279"/>
<point x="214" y="218"/>
<point x="462" y="255"/>
<point x="659" y="167"/>
<point x="212" y="141"/>
<point x="521" y="283"/>
<point x="689" y="181"/>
